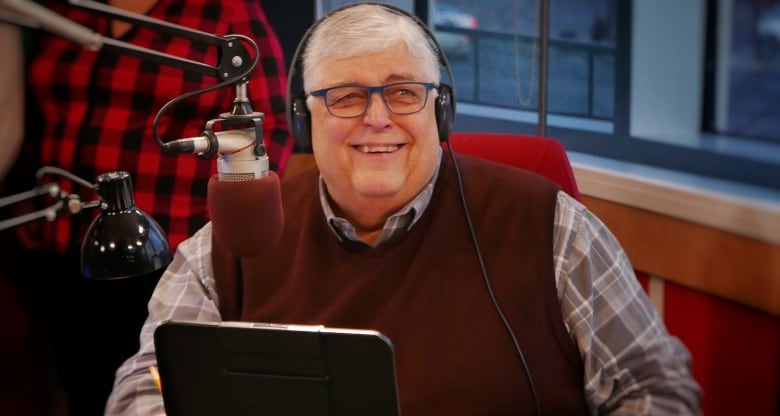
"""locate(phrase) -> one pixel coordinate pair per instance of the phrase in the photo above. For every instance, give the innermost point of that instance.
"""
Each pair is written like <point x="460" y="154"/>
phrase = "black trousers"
<point x="24" y="340"/>
<point x="93" y="326"/>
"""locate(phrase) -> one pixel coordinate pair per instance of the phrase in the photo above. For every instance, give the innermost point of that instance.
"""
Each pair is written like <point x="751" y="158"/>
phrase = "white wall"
<point x="666" y="69"/>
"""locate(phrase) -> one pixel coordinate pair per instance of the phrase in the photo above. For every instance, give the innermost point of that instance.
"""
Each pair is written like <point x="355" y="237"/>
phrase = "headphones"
<point x="299" y="117"/>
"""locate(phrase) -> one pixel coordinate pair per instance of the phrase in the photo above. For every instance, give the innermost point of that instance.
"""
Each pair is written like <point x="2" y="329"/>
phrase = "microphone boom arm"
<point x="234" y="67"/>
<point x="234" y="57"/>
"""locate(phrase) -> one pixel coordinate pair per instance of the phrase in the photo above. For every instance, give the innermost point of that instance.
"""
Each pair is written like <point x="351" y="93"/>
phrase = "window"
<point x="688" y="86"/>
<point x="747" y="75"/>
<point x="494" y="52"/>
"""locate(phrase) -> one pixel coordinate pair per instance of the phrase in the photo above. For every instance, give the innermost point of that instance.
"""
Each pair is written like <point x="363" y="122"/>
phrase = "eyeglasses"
<point x="352" y="100"/>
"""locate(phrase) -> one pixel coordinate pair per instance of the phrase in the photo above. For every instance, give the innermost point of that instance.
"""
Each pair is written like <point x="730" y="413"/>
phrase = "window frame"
<point x="715" y="156"/>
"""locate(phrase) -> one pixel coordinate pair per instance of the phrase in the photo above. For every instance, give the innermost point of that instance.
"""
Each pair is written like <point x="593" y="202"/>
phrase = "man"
<point x="378" y="239"/>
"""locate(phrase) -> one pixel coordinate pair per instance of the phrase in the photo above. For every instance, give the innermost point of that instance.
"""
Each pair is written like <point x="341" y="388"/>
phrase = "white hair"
<point x="366" y="28"/>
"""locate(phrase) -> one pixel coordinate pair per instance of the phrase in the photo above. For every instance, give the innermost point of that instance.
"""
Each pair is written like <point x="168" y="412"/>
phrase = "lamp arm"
<point x="49" y="188"/>
<point x="50" y="213"/>
<point x="71" y="202"/>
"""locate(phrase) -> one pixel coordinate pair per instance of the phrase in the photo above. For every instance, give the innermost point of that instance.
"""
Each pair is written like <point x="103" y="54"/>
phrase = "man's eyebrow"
<point x="399" y="77"/>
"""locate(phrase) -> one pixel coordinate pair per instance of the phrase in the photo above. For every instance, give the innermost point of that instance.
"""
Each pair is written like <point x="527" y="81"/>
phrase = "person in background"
<point x="20" y="344"/>
<point x="377" y="238"/>
<point x="11" y="96"/>
<point x="92" y="112"/>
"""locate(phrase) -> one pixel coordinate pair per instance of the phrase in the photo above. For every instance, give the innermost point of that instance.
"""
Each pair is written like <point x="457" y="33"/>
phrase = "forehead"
<point x="390" y="65"/>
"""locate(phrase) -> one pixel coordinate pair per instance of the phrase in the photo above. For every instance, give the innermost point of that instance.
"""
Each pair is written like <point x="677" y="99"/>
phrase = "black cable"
<point x="230" y="81"/>
<point x="486" y="278"/>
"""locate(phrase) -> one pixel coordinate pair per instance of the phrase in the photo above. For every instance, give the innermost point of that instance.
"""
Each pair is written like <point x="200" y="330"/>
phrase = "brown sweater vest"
<point x="426" y="292"/>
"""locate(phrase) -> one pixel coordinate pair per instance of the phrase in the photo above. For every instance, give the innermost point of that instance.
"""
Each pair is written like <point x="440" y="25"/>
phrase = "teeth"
<point x="377" y="149"/>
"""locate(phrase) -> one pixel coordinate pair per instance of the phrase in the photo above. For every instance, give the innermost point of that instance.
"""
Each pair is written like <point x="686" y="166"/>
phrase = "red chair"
<point x="543" y="155"/>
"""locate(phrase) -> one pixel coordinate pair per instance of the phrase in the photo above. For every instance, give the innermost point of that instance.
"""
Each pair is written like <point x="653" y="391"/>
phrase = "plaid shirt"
<point x="632" y="365"/>
<point x="97" y="109"/>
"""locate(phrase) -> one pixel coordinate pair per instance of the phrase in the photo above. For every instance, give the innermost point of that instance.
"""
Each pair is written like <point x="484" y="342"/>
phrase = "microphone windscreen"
<point x="246" y="216"/>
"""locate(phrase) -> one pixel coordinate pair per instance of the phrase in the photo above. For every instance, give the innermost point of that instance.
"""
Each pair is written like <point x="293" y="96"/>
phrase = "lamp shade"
<point x="122" y="241"/>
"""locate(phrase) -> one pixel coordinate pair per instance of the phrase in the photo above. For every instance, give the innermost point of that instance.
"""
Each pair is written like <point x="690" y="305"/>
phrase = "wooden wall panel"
<point x="716" y="262"/>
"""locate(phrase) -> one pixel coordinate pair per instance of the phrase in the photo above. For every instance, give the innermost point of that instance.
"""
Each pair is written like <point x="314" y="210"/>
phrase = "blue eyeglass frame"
<point x="371" y="90"/>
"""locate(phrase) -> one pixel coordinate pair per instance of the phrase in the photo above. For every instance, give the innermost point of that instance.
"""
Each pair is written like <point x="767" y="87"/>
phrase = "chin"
<point x="375" y="187"/>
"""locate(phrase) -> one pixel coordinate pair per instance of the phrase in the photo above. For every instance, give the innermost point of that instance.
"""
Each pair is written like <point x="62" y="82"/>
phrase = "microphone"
<point x="246" y="216"/>
<point x="241" y="156"/>
<point x="229" y="141"/>
<point x="244" y="198"/>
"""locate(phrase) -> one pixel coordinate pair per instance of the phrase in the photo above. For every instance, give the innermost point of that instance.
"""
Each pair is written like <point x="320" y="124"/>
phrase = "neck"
<point x="368" y="221"/>
<point x="369" y="237"/>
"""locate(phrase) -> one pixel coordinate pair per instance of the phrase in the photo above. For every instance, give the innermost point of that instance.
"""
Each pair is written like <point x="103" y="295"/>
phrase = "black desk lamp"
<point x="122" y="240"/>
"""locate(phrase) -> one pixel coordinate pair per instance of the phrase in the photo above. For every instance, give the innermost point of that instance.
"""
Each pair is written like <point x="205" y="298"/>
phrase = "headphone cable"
<point x="486" y="278"/>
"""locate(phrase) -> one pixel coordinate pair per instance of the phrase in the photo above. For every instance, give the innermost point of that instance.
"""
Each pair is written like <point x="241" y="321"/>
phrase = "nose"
<point x="377" y="112"/>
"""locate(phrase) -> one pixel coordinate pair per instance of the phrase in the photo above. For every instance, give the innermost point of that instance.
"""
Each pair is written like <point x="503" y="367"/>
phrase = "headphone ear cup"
<point x="445" y="112"/>
<point x="301" y="124"/>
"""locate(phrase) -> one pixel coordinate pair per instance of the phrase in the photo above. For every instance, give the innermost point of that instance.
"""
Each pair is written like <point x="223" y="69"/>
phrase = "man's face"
<point x="380" y="160"/>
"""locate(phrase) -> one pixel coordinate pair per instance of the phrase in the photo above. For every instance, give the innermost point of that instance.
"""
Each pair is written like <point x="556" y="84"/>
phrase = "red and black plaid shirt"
<point x="97" y="110"/>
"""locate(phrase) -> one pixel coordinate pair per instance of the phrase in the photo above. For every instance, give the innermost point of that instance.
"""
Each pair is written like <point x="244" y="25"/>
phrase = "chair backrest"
<point x="543" y="155"/>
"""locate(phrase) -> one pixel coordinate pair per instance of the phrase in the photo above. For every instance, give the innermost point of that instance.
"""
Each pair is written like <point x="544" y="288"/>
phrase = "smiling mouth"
<point x="378" y="149"/>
